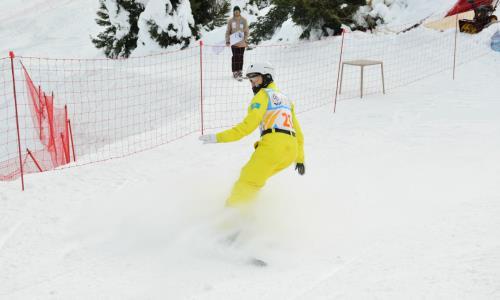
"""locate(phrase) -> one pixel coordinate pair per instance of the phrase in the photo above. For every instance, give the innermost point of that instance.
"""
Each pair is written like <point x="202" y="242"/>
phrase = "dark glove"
<point x="300" y="168"/>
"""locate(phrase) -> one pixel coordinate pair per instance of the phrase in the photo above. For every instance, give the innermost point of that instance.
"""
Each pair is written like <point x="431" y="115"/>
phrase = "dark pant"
<point x="237" y="60"/>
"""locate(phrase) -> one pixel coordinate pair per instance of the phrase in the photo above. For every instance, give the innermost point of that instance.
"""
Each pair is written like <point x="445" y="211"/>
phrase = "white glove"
<point x="208" y="139"/>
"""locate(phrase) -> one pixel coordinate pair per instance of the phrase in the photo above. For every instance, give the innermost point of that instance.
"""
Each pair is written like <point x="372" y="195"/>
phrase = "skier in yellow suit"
<point x="281" y="143"/>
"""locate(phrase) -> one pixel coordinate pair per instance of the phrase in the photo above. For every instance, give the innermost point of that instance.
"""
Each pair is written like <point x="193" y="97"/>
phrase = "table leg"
<point x="362" y="68"/>
<point x="383" y="81"/>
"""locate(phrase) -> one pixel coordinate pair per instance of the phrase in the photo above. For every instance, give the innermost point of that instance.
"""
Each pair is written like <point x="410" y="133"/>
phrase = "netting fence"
<point x="56" y="113"/>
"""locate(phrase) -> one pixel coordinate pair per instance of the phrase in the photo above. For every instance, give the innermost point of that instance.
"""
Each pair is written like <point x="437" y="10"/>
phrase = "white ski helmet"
<point x="261" y="68"/>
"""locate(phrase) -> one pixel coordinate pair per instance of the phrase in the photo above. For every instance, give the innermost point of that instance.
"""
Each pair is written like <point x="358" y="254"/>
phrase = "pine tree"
<point x="175" y="26"/>
<point x="266" y="25"/>
<point x="371" y="15"/>
<point x="322" y="17"/>
<point x="119" y="17"/>
<point x="261" y="4"/>
<point x="209" y="13"/>
<point x="326" y="16"/>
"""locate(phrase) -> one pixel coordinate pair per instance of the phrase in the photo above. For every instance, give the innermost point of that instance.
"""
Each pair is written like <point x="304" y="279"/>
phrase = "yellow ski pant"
<point x="275" y="152"/>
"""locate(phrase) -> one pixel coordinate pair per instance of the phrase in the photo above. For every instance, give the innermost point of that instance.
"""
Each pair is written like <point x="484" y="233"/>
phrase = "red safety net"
<point x="118" y="107"/>
<point x="52" y="125"/>
<point x="50" y="146"/>
<point x="463" y="6"/>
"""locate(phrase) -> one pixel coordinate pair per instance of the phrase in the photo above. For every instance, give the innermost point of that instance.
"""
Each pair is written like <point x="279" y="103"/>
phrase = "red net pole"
<point x="50" y="116"/>
<point x="40" y="103"/>
<point x="66" y="135"/>
<point x="11" y="54"/>
<point x="338" y="71"/>
<point x="72" y="143"/>
<point x="34" y="160"/>
<point x="201" y="85"/>
<point x="455" y="47"/>
<point x="66" y="151"/>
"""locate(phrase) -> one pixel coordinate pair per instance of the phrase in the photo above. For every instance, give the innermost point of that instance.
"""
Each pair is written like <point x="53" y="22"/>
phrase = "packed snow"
<point x="400" y="198"/>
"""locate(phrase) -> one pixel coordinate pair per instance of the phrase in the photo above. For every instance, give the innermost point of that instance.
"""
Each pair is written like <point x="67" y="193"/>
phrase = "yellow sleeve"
<point x="256" y="111"/>
<point x="300" y="137"/>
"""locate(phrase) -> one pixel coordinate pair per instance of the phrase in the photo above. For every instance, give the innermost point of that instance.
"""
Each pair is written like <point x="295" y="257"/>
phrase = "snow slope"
<point x="49" y="28"/>
<point x="63" y="28"/>
<point x="400" y="200"/>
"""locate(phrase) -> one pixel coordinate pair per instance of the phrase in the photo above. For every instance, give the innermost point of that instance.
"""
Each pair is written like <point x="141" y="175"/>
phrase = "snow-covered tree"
<point x="324" y="17"/>
<point x="155" y="24"/>
<point x="210" y="13"/>
<point x="376" y="12"/>
<point x="119" y="19"/>
<point x="266" y="25"/>
<point x="166" y="23"/>
<point x="254" y="6"/>
<point x="316" y="17"/>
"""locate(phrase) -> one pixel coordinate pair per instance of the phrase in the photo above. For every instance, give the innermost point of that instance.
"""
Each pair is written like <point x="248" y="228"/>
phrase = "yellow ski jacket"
<point x="256" y="112"/>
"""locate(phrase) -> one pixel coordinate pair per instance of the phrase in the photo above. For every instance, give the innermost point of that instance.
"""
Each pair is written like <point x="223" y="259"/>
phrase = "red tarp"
<point x="463" y="6"/>
<point x="52" y="135"/>
<point x="50" y="123"/>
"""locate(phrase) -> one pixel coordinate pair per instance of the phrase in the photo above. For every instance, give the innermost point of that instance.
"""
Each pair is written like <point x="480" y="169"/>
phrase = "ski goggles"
<point x="252" y="75"/>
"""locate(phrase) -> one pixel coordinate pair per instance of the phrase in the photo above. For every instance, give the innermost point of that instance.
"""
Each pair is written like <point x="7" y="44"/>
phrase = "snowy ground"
<point x="48" y="28"/>
<point x="400" y="201"/>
